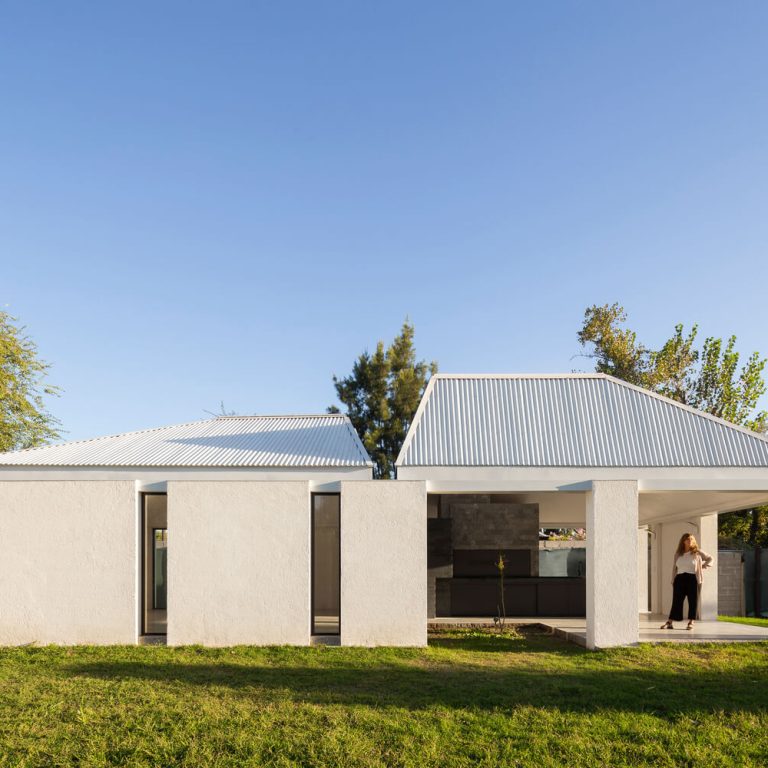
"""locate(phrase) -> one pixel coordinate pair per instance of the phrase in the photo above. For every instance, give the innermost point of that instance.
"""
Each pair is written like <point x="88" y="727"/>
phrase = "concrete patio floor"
<point x="575" y="629"/>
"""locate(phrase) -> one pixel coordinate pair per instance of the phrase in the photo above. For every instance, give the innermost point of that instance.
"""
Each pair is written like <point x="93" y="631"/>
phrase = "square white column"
<point x="612" y="564"/>
<point x="642" y="569"/>
<point x="707" y="536"/>
<point x="384" y="562"/>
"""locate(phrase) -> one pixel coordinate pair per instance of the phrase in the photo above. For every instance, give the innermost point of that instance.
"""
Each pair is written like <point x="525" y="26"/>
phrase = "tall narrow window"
<point x="155" y="564"/>
<point x="160" y="569"/>
<point x="326" y="562"/>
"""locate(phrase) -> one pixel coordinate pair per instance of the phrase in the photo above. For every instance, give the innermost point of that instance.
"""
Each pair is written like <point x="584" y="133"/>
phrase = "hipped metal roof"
<point x="326" y="440"/>
<point x="568" y="420"/>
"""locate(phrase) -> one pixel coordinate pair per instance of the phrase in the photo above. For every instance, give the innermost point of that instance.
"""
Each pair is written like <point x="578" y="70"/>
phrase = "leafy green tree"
<point x="381" y="396"/>
<point x="24" y="420"/>
<point x="708" y="379"/>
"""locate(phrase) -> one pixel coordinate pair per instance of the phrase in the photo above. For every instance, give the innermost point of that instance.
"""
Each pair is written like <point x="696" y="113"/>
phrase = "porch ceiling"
<point x="660" y="505"/>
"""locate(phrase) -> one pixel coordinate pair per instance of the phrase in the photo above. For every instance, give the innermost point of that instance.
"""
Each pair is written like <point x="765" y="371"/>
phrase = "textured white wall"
<point x="707" y="539"/>
<point x="642" y="569"/>
<point x="238" y="563"/>
<point x="612" y="514"/>
<point x="670" y="534"/>
<point x="384" y="563"/>
<point x="68" y="562"/>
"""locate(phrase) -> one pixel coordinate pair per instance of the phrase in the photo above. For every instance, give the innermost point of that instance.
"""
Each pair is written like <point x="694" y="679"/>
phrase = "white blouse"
<point x="686" y="563"/>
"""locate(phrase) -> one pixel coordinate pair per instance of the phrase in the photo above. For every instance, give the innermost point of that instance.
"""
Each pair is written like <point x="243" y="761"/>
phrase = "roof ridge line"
<point x="279" y="416"/>
<point x="573" y="375"/>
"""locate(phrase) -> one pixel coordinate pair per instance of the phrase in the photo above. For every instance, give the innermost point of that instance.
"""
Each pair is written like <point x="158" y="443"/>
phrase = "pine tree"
<point x="382" y="394"/>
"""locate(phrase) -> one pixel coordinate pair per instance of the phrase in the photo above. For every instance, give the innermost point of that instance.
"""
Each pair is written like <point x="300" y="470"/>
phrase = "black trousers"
<point x="684" y="585"/>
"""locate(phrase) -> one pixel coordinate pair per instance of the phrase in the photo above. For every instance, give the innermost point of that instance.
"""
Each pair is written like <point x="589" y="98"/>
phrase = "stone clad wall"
<point x="483" y="521"/>
<point x="730" y="583"/>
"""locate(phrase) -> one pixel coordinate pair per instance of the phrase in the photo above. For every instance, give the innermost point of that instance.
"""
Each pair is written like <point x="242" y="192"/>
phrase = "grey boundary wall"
<point x="730" y="583"/>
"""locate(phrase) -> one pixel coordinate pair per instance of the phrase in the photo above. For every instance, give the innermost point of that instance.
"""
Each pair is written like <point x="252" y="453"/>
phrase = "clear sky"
<point x="229" y="201"/>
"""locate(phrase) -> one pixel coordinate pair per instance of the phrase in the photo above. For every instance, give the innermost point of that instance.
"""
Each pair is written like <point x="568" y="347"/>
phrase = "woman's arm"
<point x="674" y="569"/>
<point x="706" y="560"/>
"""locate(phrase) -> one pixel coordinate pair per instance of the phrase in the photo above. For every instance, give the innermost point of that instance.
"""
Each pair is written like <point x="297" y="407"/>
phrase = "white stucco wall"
<point x="670" y="532"/>
<point x="708" y="542"/>
<point x="68" y="562"/>
<point x="384" y="563"/>
<point x="612" y="568"/>
<point x="238" y="563"/>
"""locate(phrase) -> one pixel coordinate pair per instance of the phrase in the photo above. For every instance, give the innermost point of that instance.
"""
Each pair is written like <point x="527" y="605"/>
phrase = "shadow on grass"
<point x="455" y="685"/>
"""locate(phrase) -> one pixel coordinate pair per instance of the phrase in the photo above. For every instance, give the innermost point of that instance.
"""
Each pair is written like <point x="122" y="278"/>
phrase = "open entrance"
<point x="155" y="563"/>
<point x="326" y="564"/>
<point x="544" y="574"/>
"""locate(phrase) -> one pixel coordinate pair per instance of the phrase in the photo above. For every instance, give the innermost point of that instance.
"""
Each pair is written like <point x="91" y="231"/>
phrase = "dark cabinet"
<point x="474" y="597"/>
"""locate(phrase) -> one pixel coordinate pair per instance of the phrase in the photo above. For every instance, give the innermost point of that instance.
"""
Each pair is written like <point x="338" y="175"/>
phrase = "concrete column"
<point x="655" y="533"/>
<point x="642" y="569"/>
<point x="708" y="542"/>
<point x="612" y="514"/>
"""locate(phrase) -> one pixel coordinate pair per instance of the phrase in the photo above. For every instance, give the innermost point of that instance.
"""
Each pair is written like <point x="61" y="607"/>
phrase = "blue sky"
<point x="230" y="201"/>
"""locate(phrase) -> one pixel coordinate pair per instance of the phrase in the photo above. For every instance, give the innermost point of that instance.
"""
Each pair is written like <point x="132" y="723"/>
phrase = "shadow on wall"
<point x="414" y="682"/>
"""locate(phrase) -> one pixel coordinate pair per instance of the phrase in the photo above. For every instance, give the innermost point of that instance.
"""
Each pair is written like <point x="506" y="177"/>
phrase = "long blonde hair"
<point x="694" y="549"/>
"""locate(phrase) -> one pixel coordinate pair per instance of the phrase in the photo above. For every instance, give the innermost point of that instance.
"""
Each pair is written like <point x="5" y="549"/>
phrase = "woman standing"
<point x="687" y="569"/>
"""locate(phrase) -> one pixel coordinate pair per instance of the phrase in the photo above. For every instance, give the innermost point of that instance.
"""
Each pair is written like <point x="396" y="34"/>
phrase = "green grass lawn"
<point x="744" y="620"/>
<point x="471" y="698"/>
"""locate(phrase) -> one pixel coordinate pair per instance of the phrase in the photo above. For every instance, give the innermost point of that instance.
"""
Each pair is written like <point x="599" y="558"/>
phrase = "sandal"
<point x="690" y="625"/>
<point x="666" y="625"/>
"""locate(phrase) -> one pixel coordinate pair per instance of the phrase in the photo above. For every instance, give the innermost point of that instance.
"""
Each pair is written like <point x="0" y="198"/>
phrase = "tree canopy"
<point x="708" y="379"/>
<point x="381" y="396"/>
<point x="24" y="419"/>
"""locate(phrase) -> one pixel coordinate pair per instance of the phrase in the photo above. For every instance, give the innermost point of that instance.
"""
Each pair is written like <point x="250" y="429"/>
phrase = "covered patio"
<point x="575" y="630"/>
<point x="578" y="451"/>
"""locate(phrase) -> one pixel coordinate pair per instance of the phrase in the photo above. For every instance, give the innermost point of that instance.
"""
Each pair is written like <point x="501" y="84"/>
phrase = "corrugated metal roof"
<point x="569" y="420"/>
<point x="327" y="440"/>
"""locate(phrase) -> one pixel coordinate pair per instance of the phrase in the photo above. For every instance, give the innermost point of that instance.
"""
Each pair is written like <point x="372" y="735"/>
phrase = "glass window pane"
<point x="326" y="584"/>
<point x="160" y="569"/>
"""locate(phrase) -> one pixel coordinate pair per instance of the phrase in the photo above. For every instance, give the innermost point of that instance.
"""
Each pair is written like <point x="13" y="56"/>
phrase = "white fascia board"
<point x="517" y="479"/>
<point x="156" y="478"/>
